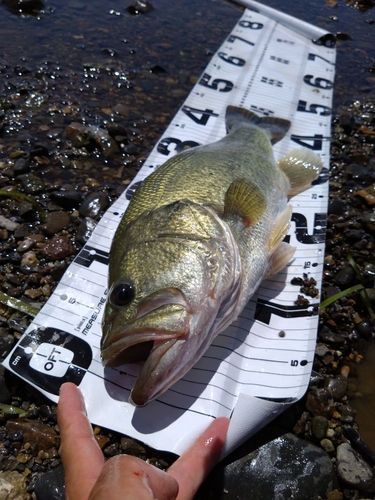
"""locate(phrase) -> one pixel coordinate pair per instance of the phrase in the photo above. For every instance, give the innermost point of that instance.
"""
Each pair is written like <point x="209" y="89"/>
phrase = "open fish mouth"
<point x="157" y="320"/>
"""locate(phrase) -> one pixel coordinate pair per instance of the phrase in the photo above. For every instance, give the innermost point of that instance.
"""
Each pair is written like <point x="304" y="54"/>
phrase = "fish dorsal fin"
<point x="276" y="128"/>
<point x="280" y="228"/>
<point x="301" y="166"/>
<point x="246" y="200"/>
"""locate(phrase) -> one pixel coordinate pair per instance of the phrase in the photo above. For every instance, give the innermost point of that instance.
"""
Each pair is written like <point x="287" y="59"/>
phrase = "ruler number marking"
<point x="192" y="112"/>
<point x="312" y="57"/>
<point x="320" y="83"/>
<point x="313" y="108"/>
<point x="232" y="39"/>
<point x="236" y="61"/>
<point x="216" y="84"/>
<point x="251" y="25"/>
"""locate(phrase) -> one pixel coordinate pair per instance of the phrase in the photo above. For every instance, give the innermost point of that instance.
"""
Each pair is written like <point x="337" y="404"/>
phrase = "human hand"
<point x="123" y="477"/>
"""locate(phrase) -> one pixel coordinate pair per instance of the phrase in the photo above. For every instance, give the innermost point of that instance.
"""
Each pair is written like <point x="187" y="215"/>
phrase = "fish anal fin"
<point x="301" y="166"/>
<point x="246" y="200"/>
<point x="279" y="259"/>
<point x="280" y="228"/>
<point x="276" y="128"/>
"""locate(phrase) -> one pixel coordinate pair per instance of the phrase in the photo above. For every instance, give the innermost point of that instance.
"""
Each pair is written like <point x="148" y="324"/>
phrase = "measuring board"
<point x="274" y="65"/>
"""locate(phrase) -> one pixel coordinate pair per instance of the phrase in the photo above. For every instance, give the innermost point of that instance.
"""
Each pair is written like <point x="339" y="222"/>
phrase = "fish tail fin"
<point x="275" y="127"/>
<point x="302" y="167"/>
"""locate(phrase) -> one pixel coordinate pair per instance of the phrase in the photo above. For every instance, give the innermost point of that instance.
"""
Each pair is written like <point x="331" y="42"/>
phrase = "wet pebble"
<point x="319" y="427"/>
<point x="131" y="447"/>
<point x="353" y="470"/>
<point x="68" y="199"/>
<point x="58" y="248"/>
<point x="31" y="183"/>
<point x="139" y="7"/>
<point x="56" y="221"/>
<point x="320" y="402"/>
<point x="21" y="166"/>
<point x="337" y="387"/>
<point x="85" y="229"/>
<point x="327" y="445"/>
<point x="94" y="204"/>
<point x="345" y="277"/>
<point x="40" y="436"/>
<point x="51" y="485"/>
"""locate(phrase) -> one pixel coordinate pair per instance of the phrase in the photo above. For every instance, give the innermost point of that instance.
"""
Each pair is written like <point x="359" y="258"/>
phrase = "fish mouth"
<point x="161" y="317"/>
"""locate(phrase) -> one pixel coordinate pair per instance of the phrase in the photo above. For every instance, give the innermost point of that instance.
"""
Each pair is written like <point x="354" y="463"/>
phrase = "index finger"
<point x="81" y="455"/>
<point x="196" y="463"/>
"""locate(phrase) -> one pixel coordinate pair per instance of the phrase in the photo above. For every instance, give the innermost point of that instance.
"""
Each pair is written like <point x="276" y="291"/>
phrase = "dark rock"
<point x="56" y="221"/>
<point x="39" y="150"/>
<point x="58" y="248"/>
<point x="51" y="486"/>
<point x="357" y="171"/>
<point x="68" y="199"/>
<point x="104" y="141"/>
<point x="337" y="207"/>
<point x="31" y="183"/>
<point x="139" y="7"/>
<point x="40" y="436"/>
<point x="285" y="468"/>
<point x="25" y="208"/>
<point x="21" y="166"/>
<point x="79" y="135"/>
<point x="131" y="447"/>
<point x="320" y="402"/>
<point x="6" y="344"/>
<point x="345" y="277"/>
<point x="332" y="338"/>
<point x="368" y="220"/>
<point x="5" y="396"/>
<point x="93" y="204"/>
<point x="353" y="470"/>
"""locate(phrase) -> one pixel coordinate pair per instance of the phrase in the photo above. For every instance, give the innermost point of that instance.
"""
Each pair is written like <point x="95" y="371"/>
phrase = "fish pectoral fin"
<point x="301" y="166"/>
<point x="280" y="229"/>
<point x="279" y="259"/>
<point x="245" y="199"/>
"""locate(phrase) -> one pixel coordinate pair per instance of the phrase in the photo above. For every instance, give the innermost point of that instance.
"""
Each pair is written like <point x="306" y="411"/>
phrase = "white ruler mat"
<point x="270" y="64"/>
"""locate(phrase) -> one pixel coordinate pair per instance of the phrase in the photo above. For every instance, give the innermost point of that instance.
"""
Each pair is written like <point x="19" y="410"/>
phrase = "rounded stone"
<point x="353" y="470"/>
<point x="319" y="426"/>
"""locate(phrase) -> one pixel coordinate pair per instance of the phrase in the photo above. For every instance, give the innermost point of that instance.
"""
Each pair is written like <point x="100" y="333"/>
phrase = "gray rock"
<point x="353" y="470"/>
<point x="93" y="204"/>
<point x="285" y="468"/>
<point x="8" y="224"/>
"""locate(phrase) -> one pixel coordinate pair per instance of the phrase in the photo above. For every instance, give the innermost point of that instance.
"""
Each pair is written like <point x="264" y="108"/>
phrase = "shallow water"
<point x="94" y="55"/>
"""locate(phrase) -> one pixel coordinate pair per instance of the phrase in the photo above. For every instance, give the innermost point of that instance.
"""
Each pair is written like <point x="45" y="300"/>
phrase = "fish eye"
<point x="121" y="294"/>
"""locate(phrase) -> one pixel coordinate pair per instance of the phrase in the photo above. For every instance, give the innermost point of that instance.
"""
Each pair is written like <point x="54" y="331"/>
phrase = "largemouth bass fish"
<point x="198" y="237"/>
